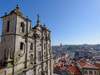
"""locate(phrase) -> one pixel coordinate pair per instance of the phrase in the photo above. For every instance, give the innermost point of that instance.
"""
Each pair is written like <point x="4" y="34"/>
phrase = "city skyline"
<point x="71" y="21"/>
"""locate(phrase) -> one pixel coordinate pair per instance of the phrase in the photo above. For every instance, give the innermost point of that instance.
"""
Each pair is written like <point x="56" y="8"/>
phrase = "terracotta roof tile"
<point x="85" y="64"/>
<point x="97" y="65"/>
<point x="73" y="69"/>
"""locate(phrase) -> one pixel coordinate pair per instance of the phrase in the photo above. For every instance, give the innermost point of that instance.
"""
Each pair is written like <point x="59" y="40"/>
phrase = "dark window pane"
<point x="21" y="46"/>
<point x="8" y="24"/>
<point x="22" y="27"/>
<point x="39" y="55"/>
<point x="90" y="72"/>
<point x="31" y="46"/>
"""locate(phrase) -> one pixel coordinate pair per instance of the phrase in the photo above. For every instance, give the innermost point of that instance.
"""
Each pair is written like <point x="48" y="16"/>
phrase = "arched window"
<point x="90" y="72"/>
<point x="31" y="46"/>
<point x="8" y="26"/>
<point x="21" y="46"/>
<point x="22" y="27"/>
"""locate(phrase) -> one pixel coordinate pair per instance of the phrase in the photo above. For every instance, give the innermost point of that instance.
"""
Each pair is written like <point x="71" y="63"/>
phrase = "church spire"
<point x="17" y="6"/>
<point x="38" y="19"/>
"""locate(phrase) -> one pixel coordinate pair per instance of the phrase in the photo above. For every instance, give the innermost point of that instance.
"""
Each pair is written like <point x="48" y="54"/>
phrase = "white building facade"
<point x="26" y="50"/>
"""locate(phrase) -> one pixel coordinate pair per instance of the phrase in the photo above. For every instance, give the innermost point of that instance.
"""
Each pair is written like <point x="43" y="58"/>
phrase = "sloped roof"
<point x="73" y="69"/>
<point x="41" y="27"/>
<point x="16" y="11"/>
<point x="97" y="65"/>
<point x="86" y="64"/>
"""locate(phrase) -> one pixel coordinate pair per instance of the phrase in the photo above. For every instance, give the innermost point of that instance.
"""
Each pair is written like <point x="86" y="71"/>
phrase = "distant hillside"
<point x="58" y="50"/>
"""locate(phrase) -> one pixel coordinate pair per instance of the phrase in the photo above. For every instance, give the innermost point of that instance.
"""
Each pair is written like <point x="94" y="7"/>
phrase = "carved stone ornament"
<point x="18" y="55"/>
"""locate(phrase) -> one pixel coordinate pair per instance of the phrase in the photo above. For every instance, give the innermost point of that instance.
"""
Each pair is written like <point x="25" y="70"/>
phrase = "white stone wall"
<point x="11" y="44"/>
<point x="7" y="40"/>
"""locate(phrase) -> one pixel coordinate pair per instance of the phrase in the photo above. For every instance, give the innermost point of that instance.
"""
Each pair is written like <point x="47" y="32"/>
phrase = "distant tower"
<point x="61" y="45"/>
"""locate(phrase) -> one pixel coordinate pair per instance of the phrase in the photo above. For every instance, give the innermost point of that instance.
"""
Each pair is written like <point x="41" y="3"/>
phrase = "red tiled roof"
<point x="59" y="65"/>
<point x="82" y="63"/>
<point x="73" y="69"/>
<point x="85" y="64"/>
<point x="89" y="65"/>
<point x="97" y="65"/>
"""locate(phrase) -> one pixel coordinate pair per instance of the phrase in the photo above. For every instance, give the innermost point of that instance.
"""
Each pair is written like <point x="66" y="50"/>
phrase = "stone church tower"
<point x="26" y="50"/>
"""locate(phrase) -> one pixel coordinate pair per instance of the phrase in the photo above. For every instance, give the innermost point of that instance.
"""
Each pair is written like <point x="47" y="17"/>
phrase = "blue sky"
<point x="71" y="21"/>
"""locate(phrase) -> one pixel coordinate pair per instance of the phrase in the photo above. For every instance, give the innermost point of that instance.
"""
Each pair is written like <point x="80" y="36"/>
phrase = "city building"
<point x="82" y="54"/>
<point x="26" y="50"/>
<point x="87" y="68"/>
<point x="76" y="67"/>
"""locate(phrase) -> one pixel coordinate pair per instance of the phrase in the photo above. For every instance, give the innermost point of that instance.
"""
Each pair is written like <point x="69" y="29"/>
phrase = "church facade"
<point x="25" y="50"/>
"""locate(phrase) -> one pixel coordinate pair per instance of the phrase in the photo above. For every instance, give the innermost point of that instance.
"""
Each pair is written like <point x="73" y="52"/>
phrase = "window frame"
<point x="21" y="46"/>
<point x="22" y="27"/>
<point x="8" y="26"/>
<point x="31" y="46"/>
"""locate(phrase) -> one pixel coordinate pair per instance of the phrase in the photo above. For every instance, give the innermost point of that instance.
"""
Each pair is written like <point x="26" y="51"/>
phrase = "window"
<point x="90" y="72"/>
<point x="21" y="46"/>
<point x="5" y="54"/>
<point x="22" y="27"/>
<point x="45" y="55"/>
<point x="31" y="58"/>
<point x="42" y="73"/>
<point x="85" y="72"/>
<point x="8" y="26"/>
<point x="44" y="46"/>
<point x="95" y="72"/>
<point x="31" y="46"/>
<point x="39" y="55"/>
<point x="30" y="27"/>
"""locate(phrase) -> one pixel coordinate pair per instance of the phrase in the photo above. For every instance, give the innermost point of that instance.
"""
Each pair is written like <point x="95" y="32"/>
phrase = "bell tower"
<point x="13" y="30"/>
<point x="9" y="21"/>
<point x="8" y="35"/>
<point x="25" y="49"/>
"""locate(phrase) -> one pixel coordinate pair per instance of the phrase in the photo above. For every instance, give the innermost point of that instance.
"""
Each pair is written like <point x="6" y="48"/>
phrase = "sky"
<point x="70" y="21"/>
